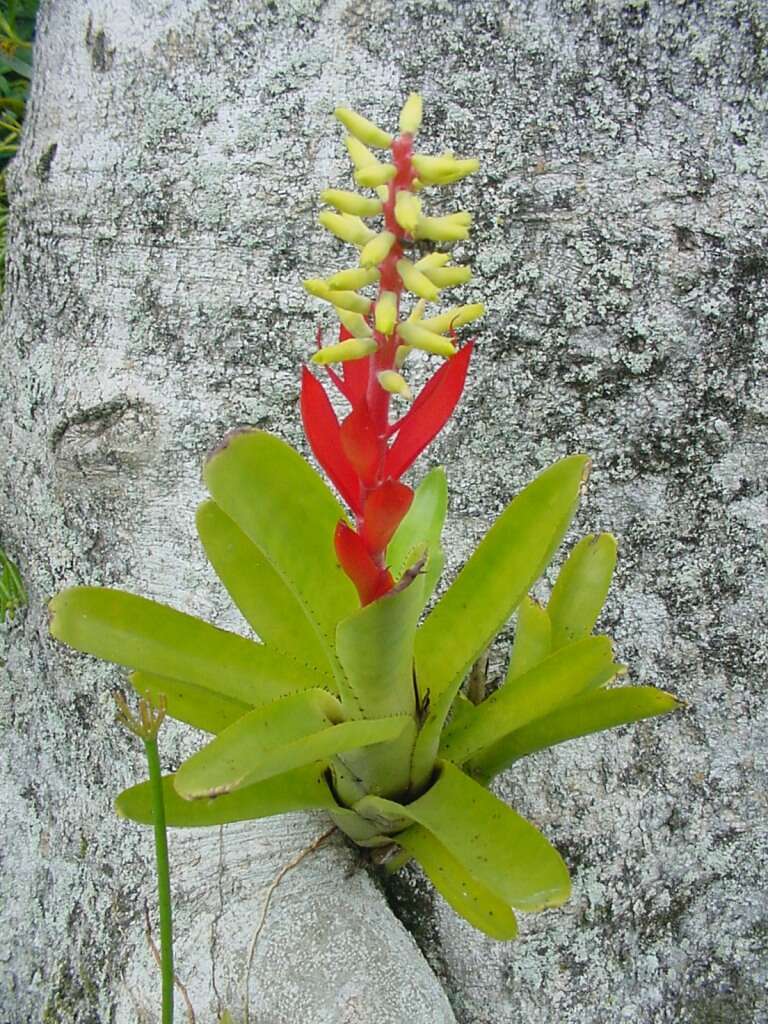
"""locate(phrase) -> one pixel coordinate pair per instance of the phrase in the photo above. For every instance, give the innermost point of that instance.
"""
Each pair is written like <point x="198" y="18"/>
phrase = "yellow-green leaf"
<point x="581" y="588"/>
<point x="154" y="638"/>
<point x="589" y="714"/>
<point x="302" y="789"/>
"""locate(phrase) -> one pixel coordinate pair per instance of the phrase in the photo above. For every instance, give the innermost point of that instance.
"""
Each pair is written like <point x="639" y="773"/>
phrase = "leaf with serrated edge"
<point x="581" y="588"/>
<point x="603" y="709"/>
<point x="494" y="844"/>
<point x="302" y="789"/>
<point x="265" y="601"/>
<point x="468" y="897"/>
<point x="508" y="560"/>
<point x="154" y="638"/>
<point x="422" y="524"/>
<point x="285" y="508"/>
<point x="297" y="730"/>
<point x="557" y="680"/>
<point x="192" y="704"/>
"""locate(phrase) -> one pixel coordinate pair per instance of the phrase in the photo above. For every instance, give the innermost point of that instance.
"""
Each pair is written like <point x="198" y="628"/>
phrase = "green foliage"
<point x="12" y="593"/>
<point x="17" y="29"/>
<point x="358" y="710"/>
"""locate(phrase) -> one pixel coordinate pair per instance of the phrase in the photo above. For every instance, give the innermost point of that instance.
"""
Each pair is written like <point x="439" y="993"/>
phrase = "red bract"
<point x="371" y="580"/>
<point x="361" y="445"/>
<point x="429" y="413"/>
<point x="323" y="433"/>
<point x="383" y="510"/>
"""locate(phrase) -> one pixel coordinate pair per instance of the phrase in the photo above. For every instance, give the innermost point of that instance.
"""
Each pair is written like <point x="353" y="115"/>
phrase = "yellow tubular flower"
<point x="377" y="249"/>
<point x="363" y="129"/>
<point x="419" y="337"/>
<point x="350" y="300"/>
<point x="374" y="175"/>
<point x="417" y="282"/>
<point x="418" y="310"/>
<point x="454" y="317"/>
<point x="449" y="277"/>
<point x="351" y="202"/>
<point x="346" y="227"/>
<point x="431" y="261"/>
<point x="410" y="115"/>
<point x="356" y="278"/>
<point x="452" y="228"/>
<point x="407" y="211"/>
<point x="359" y="154"/>
<point x="443" y="170"/>
<point x="317" y="287"/>
<point x="394" y="384"/>
<point x="344" y="351"/>
<point x="386" y="312"/>
<point x="401" y="354"/>
<point x="354" y="322"/>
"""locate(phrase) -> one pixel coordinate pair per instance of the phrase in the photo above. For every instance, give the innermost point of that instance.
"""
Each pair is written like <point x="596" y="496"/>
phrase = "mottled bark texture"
<point x="163" y="215"/>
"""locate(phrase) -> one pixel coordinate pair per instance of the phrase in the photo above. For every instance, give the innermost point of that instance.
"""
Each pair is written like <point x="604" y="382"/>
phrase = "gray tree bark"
<point x="163" y="216"/>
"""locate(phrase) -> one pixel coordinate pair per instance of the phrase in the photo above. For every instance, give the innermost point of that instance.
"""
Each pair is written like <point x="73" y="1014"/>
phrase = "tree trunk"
<point x="163" y="216"/>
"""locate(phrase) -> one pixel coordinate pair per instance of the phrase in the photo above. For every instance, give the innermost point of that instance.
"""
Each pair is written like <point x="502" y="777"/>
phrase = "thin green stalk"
<point x="163" y="878"/>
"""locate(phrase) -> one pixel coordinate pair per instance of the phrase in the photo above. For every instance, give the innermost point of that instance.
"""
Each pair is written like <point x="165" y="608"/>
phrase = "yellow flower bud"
<point x="410" y="115"/>
<point x="454" y="317"/>
<point x="354" y="279"/>
<point x="349" y="300"/>
<point x="443" y="170"/>
<point x="401" y="354"/>
<point x="432" y="260"/>
<point x="407" y="211"/>
<point x="359" y="154"/>
<point x="419" y="337"/>
<point x="418" y="310"/>
<point x="394" y="384"/>
<point x="317" y="287"/>
<point x="386" y="312"/>
<point x="354" y="322"/>
<point x="377" y="249"/>
<point x="363" y="129"/>
<point x="346" y="227"/>
<point x="351" y="202"/>
<point x="452" y="228"/>
<point x="374" y="175"/>
<point x="449" y="277"/>
<point x="344" y="351"/>
<point x="417" y="282"/>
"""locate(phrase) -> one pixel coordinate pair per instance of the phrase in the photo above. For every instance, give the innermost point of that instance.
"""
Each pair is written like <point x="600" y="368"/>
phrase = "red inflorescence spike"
<point x="429" y="413"/>
<point x="323" y="433"/>
<point x="370" y="579"/>
<point x="360" y="444"/>
<point x="382" y="513"/>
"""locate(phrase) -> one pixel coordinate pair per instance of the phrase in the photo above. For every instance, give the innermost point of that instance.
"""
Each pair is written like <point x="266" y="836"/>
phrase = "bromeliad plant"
<point x="352" y="700"/>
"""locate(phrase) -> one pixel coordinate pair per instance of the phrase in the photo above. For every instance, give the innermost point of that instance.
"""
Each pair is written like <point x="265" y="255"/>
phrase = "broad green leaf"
<point x="375" y="648"/>
<point x="192" y="704"/>
<point x="581" y="588"/>
<point x="582" y="666"/>
<point x="257" y="589"/>
<point x="508" y="560"/>
<point x="384" y="768"/>
<point x="359" y="829"/>
<point x="468" y="897"/>
<point x="592" y="713"/>
<point x="285" y="508"/>
<point x="154" y="638"/>
<point x="533" y="638"/>
<point x="422" y="524"/>
<point x="494" y="844"/>
<point x="294" y="731"/>
<point x="302" y="789"/>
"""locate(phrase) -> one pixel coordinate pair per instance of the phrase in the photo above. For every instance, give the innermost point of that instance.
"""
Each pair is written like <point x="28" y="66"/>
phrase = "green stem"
<point x="163" y="878"/>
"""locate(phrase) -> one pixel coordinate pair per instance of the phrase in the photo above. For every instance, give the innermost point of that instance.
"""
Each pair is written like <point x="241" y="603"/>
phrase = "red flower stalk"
<point x="365" y="455"/>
